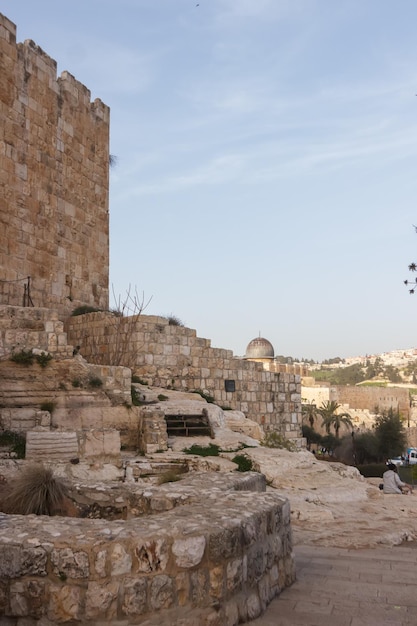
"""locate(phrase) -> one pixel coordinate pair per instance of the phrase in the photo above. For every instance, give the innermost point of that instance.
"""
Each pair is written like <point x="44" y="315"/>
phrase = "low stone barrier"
<point x="217" y="558"/>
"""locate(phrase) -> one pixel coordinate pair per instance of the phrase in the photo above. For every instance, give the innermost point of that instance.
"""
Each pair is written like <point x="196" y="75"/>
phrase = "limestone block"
<point x="236" y="421"/>
<point x="161" y="594"/>
<point x="44" y="444"/>
<point x="189" y="552"/>
<point x="223" y="543"/>
<point x="121" y="561"/>
<point x="100" y="563"/>
<point x="134" y="600"/>
<point x="152" y="555"/>
<point x="100" y="443"/>
<point x="236" y="574"/>
<point x="28" y="598"/>
<point x="65" y="603"/>
<point x="217" y="581"/>
<point x="101" y="600"/>
<point x="73" y="564"/>
<point x="199" y="585"/>
<point x="16" y="561"/>
<point x="182" y="581"/>
<point x="253" y="604"/>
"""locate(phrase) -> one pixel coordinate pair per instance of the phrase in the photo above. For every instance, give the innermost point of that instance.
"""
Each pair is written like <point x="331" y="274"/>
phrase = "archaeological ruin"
<point x="94" y="395"/>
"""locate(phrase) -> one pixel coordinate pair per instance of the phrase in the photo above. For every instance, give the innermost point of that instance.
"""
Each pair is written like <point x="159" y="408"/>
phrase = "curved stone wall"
<point x="216" y="560"/>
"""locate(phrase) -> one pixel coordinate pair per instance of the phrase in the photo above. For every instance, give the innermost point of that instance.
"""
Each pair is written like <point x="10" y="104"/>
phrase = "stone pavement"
<point x="344" y="587"/>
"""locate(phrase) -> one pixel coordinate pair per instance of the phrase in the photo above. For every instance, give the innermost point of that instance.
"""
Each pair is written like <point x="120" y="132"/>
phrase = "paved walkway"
<point x="339" y="587"/>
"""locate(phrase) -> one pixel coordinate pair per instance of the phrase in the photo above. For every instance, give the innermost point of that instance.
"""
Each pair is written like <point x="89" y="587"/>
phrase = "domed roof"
<point x="259" y="348"/>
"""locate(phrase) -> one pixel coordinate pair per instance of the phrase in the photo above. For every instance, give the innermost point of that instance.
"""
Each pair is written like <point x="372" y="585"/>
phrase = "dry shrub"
<point x="34" y="491"/>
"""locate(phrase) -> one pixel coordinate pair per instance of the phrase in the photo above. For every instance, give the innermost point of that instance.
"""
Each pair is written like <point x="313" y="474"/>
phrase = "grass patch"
<point x="211" y="450"/>
<point x="207" y="397"/>
<point x="243" y="463"/>
<point x="373" y="384"/>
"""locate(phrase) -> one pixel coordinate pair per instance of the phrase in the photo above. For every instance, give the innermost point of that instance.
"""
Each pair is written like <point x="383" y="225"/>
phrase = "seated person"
<point x="393" y="483"/>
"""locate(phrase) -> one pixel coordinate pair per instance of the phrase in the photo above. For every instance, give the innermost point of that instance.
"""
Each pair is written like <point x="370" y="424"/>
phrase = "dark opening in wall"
<point x="230" y="385"/>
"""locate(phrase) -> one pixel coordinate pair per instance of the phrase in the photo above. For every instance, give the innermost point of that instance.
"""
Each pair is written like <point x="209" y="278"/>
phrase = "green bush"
<point x="211" y="450"/>
<point x="15" y="441"/>
<point x="43" y="358"/>
<point x="275" y="440"/>
<point x="95" y="382"/>
<point x="372" y="469"/>
<point x="76" y="382"/>
<point x="161" y="397"/>
<point x="243" y="463"/>
<point x="136" y="399"/>
<point x="85" y="308"/>
<point x="24" y="357"/>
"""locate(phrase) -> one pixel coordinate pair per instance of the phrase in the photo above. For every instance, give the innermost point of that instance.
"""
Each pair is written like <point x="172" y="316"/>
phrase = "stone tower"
<point x="54" y="181"/>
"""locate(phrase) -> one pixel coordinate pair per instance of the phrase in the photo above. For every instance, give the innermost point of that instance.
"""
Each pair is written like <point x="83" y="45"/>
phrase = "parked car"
<point x="399" y="461"/>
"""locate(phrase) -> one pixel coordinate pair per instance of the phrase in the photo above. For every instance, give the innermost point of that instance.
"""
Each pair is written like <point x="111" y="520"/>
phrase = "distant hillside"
<point x="371" y="371"/>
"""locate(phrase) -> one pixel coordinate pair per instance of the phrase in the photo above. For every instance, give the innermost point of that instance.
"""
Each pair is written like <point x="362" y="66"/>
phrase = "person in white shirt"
<point x="393" y="483"/>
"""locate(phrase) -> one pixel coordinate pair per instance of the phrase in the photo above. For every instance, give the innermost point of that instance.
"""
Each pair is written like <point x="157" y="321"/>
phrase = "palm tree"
<point x="328" y="412"/>
<point x="309" y="412"/>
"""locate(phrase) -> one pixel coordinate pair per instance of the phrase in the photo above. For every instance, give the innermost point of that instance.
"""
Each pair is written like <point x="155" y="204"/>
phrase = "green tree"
<point x="329" y="443"/>
<point x="311" y="435"/>
<point x="392" y="374"/>
<point x="366" y="448"/>
<point x="330" y="417"/>
<point x="389" y="430"/>
<point x="309" y="413"/>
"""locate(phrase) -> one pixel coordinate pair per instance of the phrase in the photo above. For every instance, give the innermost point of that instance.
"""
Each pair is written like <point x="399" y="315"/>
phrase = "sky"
<point x="266" y="150"/>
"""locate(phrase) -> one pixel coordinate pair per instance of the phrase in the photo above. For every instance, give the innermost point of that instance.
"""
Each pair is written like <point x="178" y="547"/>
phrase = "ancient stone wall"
<point x="174" y="357"/>
<point x="28" y="328"/>
<point x="218" y="559"/>
<point x="362" y="397"/>
<point x="54" y="161"/>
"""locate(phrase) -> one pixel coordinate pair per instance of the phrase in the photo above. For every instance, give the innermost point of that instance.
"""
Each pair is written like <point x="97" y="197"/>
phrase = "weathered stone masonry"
<point x="54" y="161"/>
<point x="174" y="357"/>
<point x="216" y="558"/>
